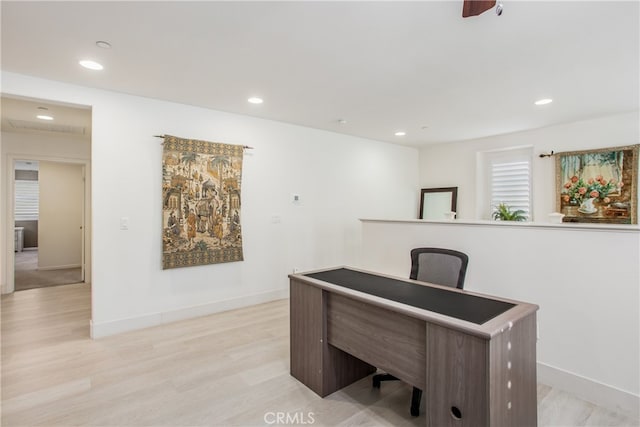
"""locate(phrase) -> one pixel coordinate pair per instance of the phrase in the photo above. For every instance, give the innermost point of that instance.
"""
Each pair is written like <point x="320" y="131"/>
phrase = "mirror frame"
<point x="452" y="190"/>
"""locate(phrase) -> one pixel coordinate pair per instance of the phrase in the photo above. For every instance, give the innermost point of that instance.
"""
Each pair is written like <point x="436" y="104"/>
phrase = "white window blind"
<point x="27" y="194"/>
<point x="511" y="185"/>
<point x="506" y="178"/>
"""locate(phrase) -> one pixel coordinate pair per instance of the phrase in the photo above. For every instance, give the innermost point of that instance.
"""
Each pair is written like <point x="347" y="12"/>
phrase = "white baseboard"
<point x="114" y="327"/>
<point x="59" y="267"/>
<point x="104" y="329"/>
<point x="592" y="391"/>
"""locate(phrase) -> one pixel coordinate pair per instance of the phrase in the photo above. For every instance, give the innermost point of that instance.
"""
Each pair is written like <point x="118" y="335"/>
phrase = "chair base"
<point x="416" y="395"/>
<point x="382" y="377"/>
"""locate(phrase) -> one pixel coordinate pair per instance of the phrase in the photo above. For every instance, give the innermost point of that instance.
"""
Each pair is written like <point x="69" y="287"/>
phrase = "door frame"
<point x="9" y="214"/>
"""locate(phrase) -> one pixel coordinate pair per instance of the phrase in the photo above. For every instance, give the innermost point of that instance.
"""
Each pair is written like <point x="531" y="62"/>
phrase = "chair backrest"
<point x="439" y="266"/>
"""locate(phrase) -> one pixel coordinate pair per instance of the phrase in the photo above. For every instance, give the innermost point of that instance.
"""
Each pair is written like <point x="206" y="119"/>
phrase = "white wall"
<point x="60" y="215"/>
<point x="450" y="165"/>
<point x="585" y="280"/>
<point x="339" y="179"/>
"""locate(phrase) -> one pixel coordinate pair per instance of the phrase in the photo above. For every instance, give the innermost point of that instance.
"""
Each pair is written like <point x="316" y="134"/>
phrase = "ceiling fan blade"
<point x="476" y="7"/>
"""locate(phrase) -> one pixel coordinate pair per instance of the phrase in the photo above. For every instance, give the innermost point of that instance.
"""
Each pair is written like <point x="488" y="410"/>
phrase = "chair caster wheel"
<point x="376" y="383"/>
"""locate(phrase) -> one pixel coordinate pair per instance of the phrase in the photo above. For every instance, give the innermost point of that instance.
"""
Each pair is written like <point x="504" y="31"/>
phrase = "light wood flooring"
<point x="227" y="369"/>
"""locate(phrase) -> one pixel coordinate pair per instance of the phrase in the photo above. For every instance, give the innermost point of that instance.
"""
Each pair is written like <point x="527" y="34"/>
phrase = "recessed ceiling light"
<point x="44" y="117"/>
<point x="342" y="121"/>
<point x="91" y="65"/>
<point x="543" y="101"/>
<point x="255" y="100"/>
<point x="103" y="44"/>
<point x="400" y="133"/>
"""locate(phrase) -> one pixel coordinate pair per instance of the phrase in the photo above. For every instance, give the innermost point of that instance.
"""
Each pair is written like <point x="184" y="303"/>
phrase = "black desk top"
<point x="461" y="306"/>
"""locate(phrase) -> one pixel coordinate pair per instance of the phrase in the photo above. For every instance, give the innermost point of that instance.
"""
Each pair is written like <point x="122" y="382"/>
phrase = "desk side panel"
<point x="457" y="378"/>
<point x="513" y="375"/>
<point x="383" y="338"/>
<point x="306" y="334"/>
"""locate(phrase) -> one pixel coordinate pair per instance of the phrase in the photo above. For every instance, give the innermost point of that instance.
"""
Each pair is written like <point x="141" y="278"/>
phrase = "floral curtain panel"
<point x="200" y="202"/>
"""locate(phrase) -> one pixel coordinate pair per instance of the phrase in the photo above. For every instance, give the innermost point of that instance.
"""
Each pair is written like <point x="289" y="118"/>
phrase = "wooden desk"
<point x="472" y="374"/>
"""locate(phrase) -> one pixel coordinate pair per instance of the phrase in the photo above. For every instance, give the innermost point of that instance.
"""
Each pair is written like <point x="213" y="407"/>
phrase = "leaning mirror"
<point x="438" y="203"/>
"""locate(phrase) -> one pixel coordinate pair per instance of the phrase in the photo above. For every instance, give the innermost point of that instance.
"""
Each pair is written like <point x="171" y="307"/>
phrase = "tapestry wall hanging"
<point x="598" y="186"/>
<point x="200" y="202"/>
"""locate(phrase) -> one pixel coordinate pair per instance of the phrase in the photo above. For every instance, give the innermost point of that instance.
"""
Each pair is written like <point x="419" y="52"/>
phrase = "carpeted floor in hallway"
<point x="27" y="275"/>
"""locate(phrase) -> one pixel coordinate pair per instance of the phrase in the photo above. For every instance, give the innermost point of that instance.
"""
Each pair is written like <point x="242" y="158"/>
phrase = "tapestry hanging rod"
<point x="246" y="147"/>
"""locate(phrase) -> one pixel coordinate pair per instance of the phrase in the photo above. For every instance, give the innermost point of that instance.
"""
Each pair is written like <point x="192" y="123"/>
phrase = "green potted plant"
<point x="504" y="213"/>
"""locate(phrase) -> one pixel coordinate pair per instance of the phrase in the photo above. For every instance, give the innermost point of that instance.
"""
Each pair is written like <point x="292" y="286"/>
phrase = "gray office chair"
<point x="439" y="266"/>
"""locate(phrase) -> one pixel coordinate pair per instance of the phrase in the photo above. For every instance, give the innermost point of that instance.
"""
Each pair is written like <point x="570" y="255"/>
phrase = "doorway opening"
<point x="48" y="224"/>
<point x="53" y="159"/>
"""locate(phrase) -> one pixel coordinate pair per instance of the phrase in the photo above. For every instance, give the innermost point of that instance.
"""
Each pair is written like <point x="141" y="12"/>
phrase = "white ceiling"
<point x="381" y="66"/>
<point x="20" y="115"/>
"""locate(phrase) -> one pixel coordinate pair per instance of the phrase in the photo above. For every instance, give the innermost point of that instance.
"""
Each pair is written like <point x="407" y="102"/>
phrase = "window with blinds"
<point x="504" y="176"/>
<point x="511" y="185"/>
<point x="27" y="194"/>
